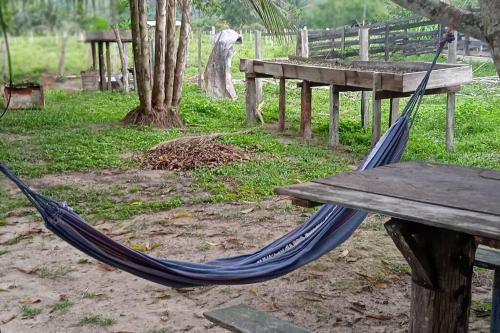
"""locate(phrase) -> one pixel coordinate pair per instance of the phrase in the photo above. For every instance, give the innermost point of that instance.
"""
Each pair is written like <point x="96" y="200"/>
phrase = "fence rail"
<point x="406" y="36"/>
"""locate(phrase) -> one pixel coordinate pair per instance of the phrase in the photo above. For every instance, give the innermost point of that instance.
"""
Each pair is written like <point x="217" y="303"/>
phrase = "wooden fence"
<point x="406" y="36"/>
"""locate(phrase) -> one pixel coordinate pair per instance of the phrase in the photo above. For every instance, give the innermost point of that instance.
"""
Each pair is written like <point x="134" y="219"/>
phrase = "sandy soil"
<point x="363" y="286"/>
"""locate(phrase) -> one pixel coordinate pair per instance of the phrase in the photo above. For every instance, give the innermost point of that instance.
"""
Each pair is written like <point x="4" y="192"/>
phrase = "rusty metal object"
<point x="29" y="96"/>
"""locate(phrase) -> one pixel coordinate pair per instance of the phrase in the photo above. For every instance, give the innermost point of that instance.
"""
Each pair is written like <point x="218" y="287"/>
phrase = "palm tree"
<point x="160" y="91"/>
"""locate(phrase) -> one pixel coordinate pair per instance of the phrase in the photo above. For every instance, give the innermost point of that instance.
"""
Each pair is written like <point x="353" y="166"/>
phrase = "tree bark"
<point x="159" y="70"/>
<point x="123" y="58"/>
<point x="62" y="59"/>
<point x="182" y="52"/>
<point x="485" y="26"/>
<point x="170" y="54"/>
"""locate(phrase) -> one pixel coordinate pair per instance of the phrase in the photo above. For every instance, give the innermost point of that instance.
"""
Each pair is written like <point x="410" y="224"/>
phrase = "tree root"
<point x="158" y="117"/>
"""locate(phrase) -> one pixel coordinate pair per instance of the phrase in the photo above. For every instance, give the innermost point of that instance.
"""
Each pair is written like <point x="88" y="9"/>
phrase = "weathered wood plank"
<point x="394" y="111"/>
<point x="100" y="55"/>
<point x="251" y="98"/>
<point x="333" y="137"/>
<point x="473" y="189"/>
<point x="473" y="223"/>
<point x="245" y="319"/>
<point x="282" y="105"/>
<point x="487" y="257"/>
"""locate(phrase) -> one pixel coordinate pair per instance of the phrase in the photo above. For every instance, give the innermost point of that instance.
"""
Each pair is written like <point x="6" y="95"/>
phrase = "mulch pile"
<point x="187" y="153"/>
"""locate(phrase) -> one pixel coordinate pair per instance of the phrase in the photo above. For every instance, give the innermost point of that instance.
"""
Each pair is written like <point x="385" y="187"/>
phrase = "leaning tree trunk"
<point x="170" y="54"/>
<point x="159" y="70"/>
<point x="123" y="58"/>
<point x="484" y="26"/>
<point x="181" y="53"/>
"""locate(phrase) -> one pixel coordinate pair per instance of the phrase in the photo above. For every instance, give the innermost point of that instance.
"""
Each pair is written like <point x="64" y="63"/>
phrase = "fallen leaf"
<point x="163" y="296"/>
<point x="119" y="232"/>
<point x="30" y="301"/>
<point x="378" y="316"/>
<point x="246" y="211"/>
<point x="4" y="290"/>
<point x="212" y="244"/>
<point x="253" y="290"/>
<point x="138" y="247"/>
<point x="105" y="267"/>
<point x="26" y="270"/>
<point x="344" y="254"/>
<point x="136" y="202"/>
<point x="181" y="214"/>
<point x="380" y="285"/>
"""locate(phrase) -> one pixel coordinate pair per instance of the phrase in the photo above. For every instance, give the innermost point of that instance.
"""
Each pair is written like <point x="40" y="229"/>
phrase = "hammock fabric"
<point x="322" y="232"/>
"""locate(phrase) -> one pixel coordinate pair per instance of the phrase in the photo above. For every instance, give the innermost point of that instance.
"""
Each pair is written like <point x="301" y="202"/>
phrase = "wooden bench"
<point x="245" y="319"/>
<point x="490" y="259"/>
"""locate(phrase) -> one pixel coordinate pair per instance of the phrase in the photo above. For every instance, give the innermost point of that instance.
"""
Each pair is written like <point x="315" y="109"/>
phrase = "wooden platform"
<point x="245" y="319"/>
<point x="468" y="197"/>
<point x="439" y="213"/>
<point x="386" y="80"/>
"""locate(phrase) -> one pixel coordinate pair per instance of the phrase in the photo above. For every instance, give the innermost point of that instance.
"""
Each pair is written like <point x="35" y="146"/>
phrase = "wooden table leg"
<point x="108" y="66"/>
<point x="282" y="105"/>
<point x="100" y="52"/>
<point x="394" y="111"/>
<point x="450" y="120"/>
<point x="441" y="262"/>
<point x="495" y="308"/>
<point x="305" y="111"/>
<point x="94" y="56"/>
<point x="333" y="139"/>
<point x="377" y="109"/>
<point x="251" y="98"/>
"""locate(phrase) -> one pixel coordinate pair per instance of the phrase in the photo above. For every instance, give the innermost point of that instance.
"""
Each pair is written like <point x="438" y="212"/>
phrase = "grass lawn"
<point x="81" y="132"/>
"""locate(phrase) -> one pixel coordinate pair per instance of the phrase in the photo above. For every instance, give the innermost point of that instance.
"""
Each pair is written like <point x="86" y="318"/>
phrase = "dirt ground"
<point x="363" y="286"/>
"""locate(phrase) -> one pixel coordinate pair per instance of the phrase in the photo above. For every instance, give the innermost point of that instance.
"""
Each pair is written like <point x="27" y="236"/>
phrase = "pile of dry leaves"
<point x="187" y="153"/>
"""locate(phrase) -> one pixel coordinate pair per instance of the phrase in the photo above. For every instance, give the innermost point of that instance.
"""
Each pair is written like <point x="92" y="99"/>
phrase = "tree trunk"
<point x="182" y="52"/>
<point x="485" y="26"/>
<point x="62" y="59"/>
<point x="159" y="69"/>
<point x="490" y="12"/>
<point x="170" y="54"/>
<point x="123" y="58"/>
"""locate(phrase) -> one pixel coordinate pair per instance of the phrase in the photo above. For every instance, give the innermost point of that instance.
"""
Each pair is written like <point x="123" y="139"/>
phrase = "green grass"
<point x="62" y="306"/>
<point x="30" y="312"/>
<point x="96" y="320"/>
<point x="81" y="132"/>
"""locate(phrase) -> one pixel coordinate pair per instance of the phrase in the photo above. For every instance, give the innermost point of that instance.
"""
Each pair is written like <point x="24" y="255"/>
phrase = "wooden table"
<point x="439" y="215"/>
<point x="101" y="38"/>
<point x="386" y="80"/>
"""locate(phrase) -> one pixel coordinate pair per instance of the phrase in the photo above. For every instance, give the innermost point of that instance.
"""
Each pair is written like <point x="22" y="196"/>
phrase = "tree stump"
<point x="218" y="79"/>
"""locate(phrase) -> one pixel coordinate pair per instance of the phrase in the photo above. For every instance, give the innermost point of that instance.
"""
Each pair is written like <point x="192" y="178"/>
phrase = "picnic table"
<point x="439" y="214"/>
<point x="385" y="79"/>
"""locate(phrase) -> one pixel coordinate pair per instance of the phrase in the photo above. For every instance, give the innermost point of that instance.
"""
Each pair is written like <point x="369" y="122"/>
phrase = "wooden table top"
<point x="439" y="195"/>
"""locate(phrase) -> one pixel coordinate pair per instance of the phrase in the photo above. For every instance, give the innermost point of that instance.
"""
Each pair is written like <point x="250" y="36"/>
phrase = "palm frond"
<point x="273" y="16"/>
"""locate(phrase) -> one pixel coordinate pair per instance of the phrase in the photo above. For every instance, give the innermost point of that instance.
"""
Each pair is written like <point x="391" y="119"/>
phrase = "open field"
<point x="75" y="150"/>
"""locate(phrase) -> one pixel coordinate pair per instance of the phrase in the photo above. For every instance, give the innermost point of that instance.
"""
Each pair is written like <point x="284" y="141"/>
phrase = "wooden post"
<point x="305" y="111"/>
<point x="94" y="56"/>
<point x="442" y="263"/>
<point x="258" y="55"/>
<point x="200" y="70"/>
<point x="212" y="35"/>
<point x="377" y="109"/>
<point x="251" y="101"/>
<point x="304" y="43"/>
<point x="363" y="55"/>
<point x="62" y="59"/>
<point x="386" y="43"/>
<point x="101" y="65"/>
<point x="394" y="111"/>
<point x="108" y="65"/>
<point x="451" y="97"/>
<point x="495" y="302"/>
<point x="333" y="138"/>
<point x="342" y="43"/>
<point x="282" y="105"/>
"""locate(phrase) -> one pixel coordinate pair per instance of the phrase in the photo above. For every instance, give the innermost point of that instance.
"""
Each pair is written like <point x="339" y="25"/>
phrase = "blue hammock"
<point x="329" y="227"/>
